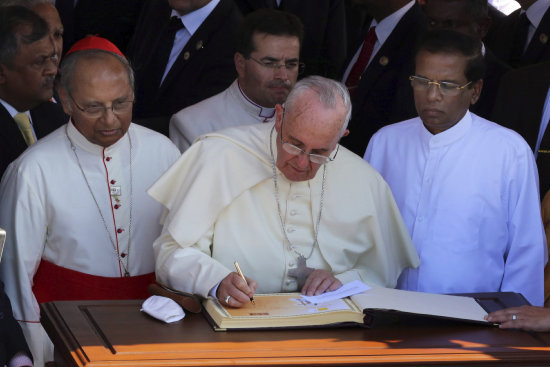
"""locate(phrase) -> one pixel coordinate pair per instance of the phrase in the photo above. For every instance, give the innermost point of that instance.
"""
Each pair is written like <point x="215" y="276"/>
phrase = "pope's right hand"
<point x="234" y="292"/>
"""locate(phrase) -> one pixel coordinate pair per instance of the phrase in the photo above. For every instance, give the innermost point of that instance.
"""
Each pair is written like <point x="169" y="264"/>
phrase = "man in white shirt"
<point x="466" y="187"/>
<point x="296" y="210"/>
<point x="79" y="222"/>
<point x="267" y="60"/>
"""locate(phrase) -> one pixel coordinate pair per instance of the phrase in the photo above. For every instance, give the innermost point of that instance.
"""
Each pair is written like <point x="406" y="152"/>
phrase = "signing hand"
<point x="529" y="318"/>
<point x="234" y="292"/>
<point x="320" y="281"/>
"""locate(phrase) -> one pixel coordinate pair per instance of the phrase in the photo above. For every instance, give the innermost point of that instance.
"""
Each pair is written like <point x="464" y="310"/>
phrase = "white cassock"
<point x="50" y="214"/>
<point x="226" y="109"/>
<point x="222" y="208"/>
<point x="469" y="198"/>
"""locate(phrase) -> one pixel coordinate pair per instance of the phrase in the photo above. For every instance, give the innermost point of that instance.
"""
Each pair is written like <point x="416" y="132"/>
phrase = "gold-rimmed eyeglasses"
<point x="275" y="65"/>
<point x="446" y="88"/>
<point x="294" y="150"/>
<point x="96" y="111"/>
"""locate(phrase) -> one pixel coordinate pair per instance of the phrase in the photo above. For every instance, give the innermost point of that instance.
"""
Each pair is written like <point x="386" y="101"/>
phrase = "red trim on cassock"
<point x="55" y="283"/>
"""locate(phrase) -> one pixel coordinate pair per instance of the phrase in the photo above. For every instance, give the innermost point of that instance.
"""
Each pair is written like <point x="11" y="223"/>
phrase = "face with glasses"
<point x="442" y="94"/>
<point x="307" y="136"/>
<point x="29" y="80"/>
<point x="100" y="100"/>
<point x="268" y="75"/>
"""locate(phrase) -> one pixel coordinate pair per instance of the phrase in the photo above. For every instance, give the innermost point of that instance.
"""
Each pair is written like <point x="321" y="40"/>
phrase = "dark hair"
<point x="445" y="41"/>
<point x="13" y="19"/>
<point x="269" y="21"/>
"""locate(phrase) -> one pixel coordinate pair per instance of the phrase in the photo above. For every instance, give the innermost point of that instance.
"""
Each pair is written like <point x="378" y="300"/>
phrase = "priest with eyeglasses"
<point x="78" y="219"/>
<point x="466" y="187"/>
<point x="284" y="200"/>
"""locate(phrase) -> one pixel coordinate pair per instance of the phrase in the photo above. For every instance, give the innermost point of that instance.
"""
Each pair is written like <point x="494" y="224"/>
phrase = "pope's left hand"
<point x="320" y="281"/>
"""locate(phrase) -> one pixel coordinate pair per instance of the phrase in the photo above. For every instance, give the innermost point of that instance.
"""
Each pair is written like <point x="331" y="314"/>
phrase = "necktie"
<point x="362" y="60"/>
<point x="543" y="162"/>
<point x="24" y="123"/>
<point x="162" y="54"/>
<point x="520" y="39"/>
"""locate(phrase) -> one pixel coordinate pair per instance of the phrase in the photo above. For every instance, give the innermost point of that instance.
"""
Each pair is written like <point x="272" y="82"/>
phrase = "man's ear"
<point x="240" y="62"/>
<point x="279" y="109"/>
<point x="345" y="133"/>
<point x="65" y="100"/>
<point x="478" y="86"/>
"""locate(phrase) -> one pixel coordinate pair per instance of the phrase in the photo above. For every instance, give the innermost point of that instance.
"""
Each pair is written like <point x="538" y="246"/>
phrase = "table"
<point x="116" y="333"/>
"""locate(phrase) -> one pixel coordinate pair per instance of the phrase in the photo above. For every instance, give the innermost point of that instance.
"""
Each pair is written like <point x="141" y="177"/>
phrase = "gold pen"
<point x="242" y="276"/>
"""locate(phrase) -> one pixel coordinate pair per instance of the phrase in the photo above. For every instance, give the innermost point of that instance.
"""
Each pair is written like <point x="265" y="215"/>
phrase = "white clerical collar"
<point x="386" y="25"/>
<point x="266" y="112"/>
<point x="193" y="20"/>
<point x="78" y="139"/>
<point x="450" y="135"/>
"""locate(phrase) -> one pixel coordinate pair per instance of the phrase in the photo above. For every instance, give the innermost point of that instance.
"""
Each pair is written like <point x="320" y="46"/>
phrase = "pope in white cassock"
<point x="79" y="222"/>
<point x="466" y="187"/>
<point x="296" y="210"/>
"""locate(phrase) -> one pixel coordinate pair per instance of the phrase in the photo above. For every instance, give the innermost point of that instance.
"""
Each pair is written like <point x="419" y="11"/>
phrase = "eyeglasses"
<point x="118" y="108"/>
<point x="445" y="88"/>
<point x="294" y="150"/>
<point x="289" y="65"/>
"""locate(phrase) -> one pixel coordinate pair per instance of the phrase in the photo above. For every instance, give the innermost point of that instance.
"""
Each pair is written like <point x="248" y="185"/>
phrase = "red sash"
<point x="55" y="283"/>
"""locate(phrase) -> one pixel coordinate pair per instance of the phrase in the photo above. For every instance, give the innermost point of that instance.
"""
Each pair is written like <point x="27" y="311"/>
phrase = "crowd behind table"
<point x="267" y="110"/>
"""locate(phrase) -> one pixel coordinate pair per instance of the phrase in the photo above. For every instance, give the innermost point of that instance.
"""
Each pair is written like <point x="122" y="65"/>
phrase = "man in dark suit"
<point x="179" y="63"/>
<point x="471" y="18"/>
<point x="522" y="38"/>
<point x="26" y="82"/>
<point x="523" y="105"/>
<point x="324" y="47"/>
<point x="12" y="342"/>
<point x="383" y="94"/>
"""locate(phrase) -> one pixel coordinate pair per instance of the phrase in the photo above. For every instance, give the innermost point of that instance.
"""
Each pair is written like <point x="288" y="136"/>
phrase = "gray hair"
<point x="12" y="18"/>
<point x="69" y="62"/>
<point x="329" y="91"/>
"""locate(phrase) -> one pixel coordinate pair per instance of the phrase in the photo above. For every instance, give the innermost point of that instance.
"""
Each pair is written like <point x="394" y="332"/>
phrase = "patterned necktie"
<point x="24" y="123"/>
<point x="362" y="60"/>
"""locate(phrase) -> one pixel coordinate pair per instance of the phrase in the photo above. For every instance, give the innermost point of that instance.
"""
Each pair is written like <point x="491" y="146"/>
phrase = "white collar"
<point x="448" y="136"/>
<point x="266" y="112"/>
<point x="387" y="25"/>
<point x="537" y="11"/>
<point x="11" y="110"/>
<point x="78" y="139"/>
<point x="193" y="20"/>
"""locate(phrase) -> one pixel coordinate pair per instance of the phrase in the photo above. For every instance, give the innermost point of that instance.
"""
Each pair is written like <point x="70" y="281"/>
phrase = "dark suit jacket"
<point x="491" y="82"/>
<point x="324" y="46"/>
<point x="501" y="41"/>
<point x="384" y="94"/>
<point x="520" y="102"/>
<point x="204" y="67"/>
<point x="11" y="336"/>
<point x="46" y="117"/>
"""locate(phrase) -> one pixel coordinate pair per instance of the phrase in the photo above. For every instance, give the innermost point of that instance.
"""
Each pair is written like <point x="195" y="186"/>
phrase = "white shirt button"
<point x="290" y="230"/>
<point x="420" y="219"/>
<point x="293" y="212"/>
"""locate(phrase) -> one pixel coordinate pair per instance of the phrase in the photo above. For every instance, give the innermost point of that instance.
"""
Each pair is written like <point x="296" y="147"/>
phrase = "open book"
<point x="289" y="310"/>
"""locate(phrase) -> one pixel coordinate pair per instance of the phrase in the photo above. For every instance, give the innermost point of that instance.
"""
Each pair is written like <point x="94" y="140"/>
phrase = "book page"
<point x="284" y="305"/>
<point x="420" y="303"/>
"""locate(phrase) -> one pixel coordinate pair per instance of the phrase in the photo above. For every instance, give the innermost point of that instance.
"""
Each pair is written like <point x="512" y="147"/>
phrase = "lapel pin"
<point x="543" y="38"/>
<point x="199" y="45"/>
<point x="186" y="55"/>
<point x="384" y="61"/>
